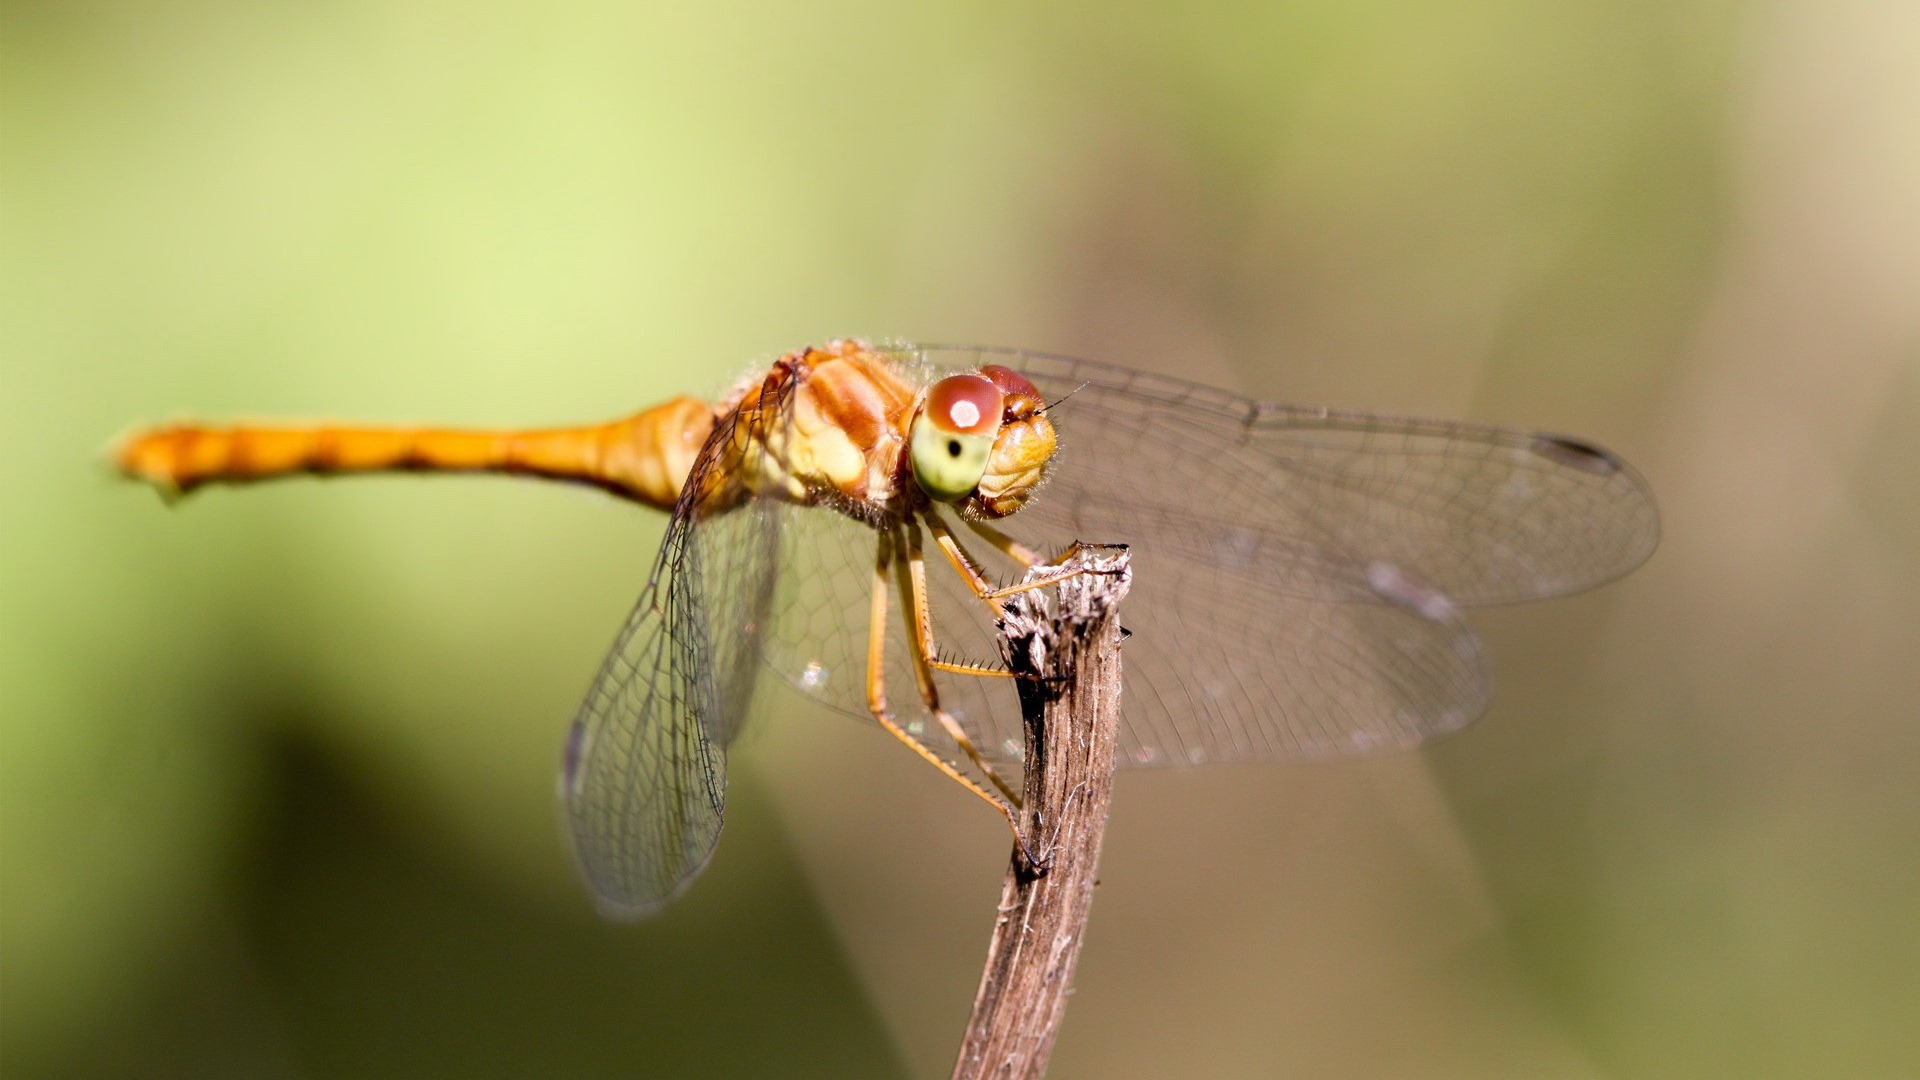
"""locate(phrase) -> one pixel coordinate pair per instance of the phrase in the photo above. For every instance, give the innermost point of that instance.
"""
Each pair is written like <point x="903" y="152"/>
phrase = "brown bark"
<point x="1065" y="643"/>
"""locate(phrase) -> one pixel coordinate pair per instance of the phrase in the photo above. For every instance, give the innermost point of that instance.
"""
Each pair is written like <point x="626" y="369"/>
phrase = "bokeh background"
<point x="276" y="766"/>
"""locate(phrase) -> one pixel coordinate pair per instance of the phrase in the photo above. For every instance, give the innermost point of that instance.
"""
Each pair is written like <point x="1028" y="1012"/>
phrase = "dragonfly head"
<point x="981" y="441"/>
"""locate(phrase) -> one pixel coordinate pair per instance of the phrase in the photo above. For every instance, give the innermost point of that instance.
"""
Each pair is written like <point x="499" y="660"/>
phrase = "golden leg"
<point x="914" y="581"/>
<point x="877" y="691"/>
<point x="1008" y="546"/>
<point x="964" y="563"/>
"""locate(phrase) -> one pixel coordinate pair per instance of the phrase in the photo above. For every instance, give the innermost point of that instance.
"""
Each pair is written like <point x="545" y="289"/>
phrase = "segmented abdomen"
<point x="644" y="457"/>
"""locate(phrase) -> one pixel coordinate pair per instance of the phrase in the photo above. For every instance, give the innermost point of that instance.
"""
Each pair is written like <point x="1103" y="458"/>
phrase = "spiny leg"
<point x="913" y="573"/>
<point x="877" y="691"/>
<point x="1012" y="549"/>
<point x="968" y="570"/>
<point x="963" y="563"/>
<point x="1026" y="556"/>
<point x="1052" y="573"/>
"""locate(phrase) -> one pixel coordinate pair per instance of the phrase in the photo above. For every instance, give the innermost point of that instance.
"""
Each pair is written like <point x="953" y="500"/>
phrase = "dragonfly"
<point x="1301" y="574"/>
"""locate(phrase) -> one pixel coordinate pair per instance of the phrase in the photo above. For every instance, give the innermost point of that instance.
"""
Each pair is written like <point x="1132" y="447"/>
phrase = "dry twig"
<point x="1065" y="642"/>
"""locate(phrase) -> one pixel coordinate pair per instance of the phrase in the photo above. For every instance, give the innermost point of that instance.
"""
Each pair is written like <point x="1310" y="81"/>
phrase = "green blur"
<point x="276" y="766"/>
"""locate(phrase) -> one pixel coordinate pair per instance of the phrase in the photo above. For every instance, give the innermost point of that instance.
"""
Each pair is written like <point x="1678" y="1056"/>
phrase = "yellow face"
<point x="981" y="442"/>
<point x="1021" y="452"/>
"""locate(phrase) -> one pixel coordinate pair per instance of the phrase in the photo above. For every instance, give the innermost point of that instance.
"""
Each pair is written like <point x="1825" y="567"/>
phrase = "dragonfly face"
<point x="982" y="442"/>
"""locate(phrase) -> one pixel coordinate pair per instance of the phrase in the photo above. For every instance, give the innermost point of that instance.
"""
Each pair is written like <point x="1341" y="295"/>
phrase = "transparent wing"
<point x="1299" y="573"/>
<point x="1484" y="514"/>
<point x="1266" y="676"/>
<point x="644" y="774"/>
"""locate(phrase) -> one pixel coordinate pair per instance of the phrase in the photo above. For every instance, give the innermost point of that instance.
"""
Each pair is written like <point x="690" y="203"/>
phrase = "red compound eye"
<point x="1022" y="397"/>
<point x="965" y="405"/>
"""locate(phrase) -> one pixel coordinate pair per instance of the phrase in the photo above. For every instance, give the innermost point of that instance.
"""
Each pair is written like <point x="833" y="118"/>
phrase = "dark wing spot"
<point x="570" y="760"/>
<point x="1576" y="455"/>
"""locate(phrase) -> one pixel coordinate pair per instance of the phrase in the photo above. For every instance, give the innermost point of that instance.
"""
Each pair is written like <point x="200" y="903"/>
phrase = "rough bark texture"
<point x="1065" y="641"/>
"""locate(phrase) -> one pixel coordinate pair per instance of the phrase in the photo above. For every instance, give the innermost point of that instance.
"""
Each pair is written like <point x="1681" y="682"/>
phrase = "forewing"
<point x="1484" y="514"/>
<point x="644" y="773"/>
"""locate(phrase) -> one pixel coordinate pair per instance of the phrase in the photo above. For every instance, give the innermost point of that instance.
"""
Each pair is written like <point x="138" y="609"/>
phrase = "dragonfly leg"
<point x="877" y="696"/>
<point x="1052" y="573"/>
<point x="969" y="571"/>
<point x="1007" y="545"/>
<point x="913" y="572"/>
<point x="963" y="563"/>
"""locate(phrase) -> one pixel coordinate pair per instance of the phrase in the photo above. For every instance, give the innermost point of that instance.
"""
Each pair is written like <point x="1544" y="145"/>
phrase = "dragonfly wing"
<point x="1325" y="498"/>
<point x="644" y="780"/>
<point x="644" y="774"/>
<point x="1300" y="573"/>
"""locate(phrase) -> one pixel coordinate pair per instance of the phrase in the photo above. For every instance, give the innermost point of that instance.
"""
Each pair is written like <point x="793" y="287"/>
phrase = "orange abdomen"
<point x="644" y="457"/>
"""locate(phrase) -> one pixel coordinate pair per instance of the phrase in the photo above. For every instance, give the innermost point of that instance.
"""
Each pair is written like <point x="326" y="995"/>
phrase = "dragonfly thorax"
<point x="849" y="426"/>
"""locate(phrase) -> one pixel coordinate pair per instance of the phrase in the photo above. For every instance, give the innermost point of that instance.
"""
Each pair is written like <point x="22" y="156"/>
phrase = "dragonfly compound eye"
<point x="953" y="435"/>
<point x="1022" y="397"/>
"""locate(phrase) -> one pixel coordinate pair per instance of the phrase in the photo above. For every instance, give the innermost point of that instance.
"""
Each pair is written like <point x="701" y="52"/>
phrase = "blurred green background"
<point x="276" y="766"/>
